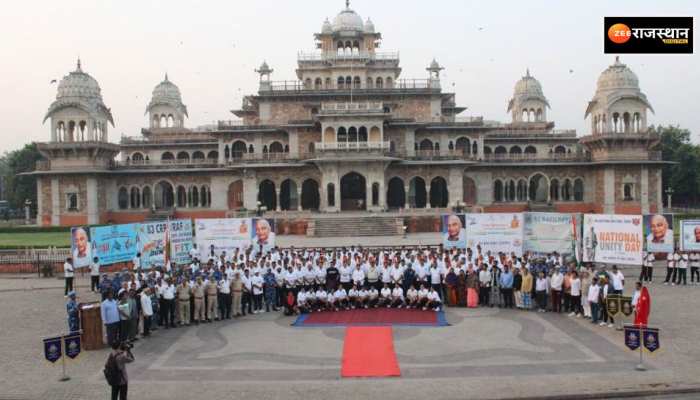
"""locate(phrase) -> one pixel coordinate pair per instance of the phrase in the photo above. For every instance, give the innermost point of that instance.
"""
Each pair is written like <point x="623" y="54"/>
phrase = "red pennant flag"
<point x="641" y="316"/>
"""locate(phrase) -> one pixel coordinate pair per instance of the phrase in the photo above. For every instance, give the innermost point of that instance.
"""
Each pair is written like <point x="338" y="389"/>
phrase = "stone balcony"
<point x="361" y="108"/>
<point x="352" y="146"/>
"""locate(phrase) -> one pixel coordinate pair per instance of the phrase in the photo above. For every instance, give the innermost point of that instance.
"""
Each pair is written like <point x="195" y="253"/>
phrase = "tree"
<point x="683" y="176"/>
<point x="19" y="188"/>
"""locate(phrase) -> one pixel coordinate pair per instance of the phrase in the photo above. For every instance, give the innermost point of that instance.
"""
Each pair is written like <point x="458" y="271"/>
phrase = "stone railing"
<point x="352" y="146"/>
<point x="550" y="157"/>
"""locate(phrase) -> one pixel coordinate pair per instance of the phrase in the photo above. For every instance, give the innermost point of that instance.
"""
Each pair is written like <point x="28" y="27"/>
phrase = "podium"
<point x="91" y="324"/>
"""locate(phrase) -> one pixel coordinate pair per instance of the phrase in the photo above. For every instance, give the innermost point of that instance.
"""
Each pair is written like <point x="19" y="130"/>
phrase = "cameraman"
<point x="115" y="369"/>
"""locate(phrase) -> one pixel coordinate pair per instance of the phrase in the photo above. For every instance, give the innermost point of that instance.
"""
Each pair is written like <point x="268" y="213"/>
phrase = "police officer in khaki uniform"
<point x="183" y="302"/>
<point x="198" y="294"/>
<point x="237" y="293"/>
<point x="212" y="300"/>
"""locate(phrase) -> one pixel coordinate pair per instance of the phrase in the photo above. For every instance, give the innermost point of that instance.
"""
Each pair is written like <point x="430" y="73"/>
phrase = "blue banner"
<point x="115" y="243"/>
<point x="52" y="349"/>
<point x="632" y="337"/>
<point x="72" y="343"/>
<point x="180" y="237"/>
<point x="651" y="339"/>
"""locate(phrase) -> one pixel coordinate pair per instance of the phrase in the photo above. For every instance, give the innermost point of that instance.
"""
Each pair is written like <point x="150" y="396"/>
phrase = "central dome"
<point x="79" y="84"/>
<point x="618" y="76"/>
<point x="528" y="86"/>
<point x="167" y="91"/>
<point x="348" y="20"/>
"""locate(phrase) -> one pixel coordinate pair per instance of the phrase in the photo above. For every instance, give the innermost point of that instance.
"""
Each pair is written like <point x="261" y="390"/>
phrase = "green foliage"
<point x="684" y="175"/>
<point x="19" y="188"/>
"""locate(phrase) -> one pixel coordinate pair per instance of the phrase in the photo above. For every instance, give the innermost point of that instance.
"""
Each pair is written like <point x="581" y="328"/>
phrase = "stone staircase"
<point x="355" y="226"/>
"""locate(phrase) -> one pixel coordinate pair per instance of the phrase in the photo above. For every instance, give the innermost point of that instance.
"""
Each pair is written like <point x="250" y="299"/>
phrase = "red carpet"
<point x="369" y="352"/>
<point x="373" y="317"/>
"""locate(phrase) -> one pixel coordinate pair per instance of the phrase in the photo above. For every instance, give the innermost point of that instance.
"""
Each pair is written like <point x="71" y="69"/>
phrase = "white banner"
<point x="546" y="233"/>
<point x="213" y="236"/>
<point x="609" y="238"/>
<point x="690" y="235"/>
<point x="501" y="232"/>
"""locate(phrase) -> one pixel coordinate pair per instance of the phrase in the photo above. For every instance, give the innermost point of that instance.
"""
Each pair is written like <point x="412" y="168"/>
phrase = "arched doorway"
<point x="438" y="192"/>
<point x="469" y="191"/>
<point x="235" y="195"/>
<point x="289" y="195"/>
<point x="353" y="192"/>
<point x="396" y="194"/>
<point x="417" y="197"/>
<point x="538" y="189"/>
<point x="267" y="195"/>
<point x="310" y="198"/>
<point x="164" y="197"/>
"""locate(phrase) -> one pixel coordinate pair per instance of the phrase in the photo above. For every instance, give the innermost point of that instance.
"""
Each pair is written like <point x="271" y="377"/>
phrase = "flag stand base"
<point x="640" y="367"/>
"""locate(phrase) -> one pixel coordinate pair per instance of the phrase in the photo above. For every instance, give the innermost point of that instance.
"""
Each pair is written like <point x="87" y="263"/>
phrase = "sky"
<point x="211" y="48"/>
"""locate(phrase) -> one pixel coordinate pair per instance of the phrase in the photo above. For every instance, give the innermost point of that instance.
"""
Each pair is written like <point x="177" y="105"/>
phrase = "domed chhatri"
<point x="618" y="105"/>
<point x="369" y="26"/>
<point x="528" y="103"/>
<point x="80" y="90"/>
<point x="166" y="107"/>
<point x="327" y="27"/>
<point x="348" y="20"/>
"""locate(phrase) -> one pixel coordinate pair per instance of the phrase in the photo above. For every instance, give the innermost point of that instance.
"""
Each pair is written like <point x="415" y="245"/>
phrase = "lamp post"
<point x="27" y="209"/>
<point x="669" y="193"/>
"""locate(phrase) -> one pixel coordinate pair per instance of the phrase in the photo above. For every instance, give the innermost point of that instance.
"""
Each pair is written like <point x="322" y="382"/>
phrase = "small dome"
<point x="618" y="76"/>
<point x="528" y="86"/>
<point x="348" y="20"/>
<point x="369" y="26"/>
<point x="79" y="89"/>
<point x="434" y="65"/>
<point x="79" y="84"/>
<point x="167" y="93"/>
<point x="327" y="27"/>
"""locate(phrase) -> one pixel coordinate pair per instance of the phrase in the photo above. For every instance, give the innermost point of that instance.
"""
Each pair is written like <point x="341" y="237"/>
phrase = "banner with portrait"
<point x="181" y="240"/>
<point x="114" y="243"/>
<point x="214" y="236"/>
<point x="612" y="238"/>
<point x="690" y="235"/>
<point x="545" y="233"/>
<point x="658" y="233"/>
<point x="152" y="239"/>
<point x="454" y="233"/>
<point x="263" y="235"/>
<point x="498" y="232"/>
<point x="80" y="248"/>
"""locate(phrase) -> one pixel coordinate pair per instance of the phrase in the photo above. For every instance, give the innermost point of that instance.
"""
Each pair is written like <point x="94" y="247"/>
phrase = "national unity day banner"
<point x="114" y="243"/>
<point x="502" y="232"/>
<point x="545" y="233"/>
<point x="612" y="238"/>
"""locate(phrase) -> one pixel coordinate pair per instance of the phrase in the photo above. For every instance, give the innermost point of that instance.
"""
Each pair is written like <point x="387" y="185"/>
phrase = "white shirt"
<point x="435" y="276"/>
<point x="345" y="274"/>
<point x="321" y="295"/>
<point x="68" y="270"/>
<point x="301" y="298"/>
<point x="541" y="285"/>
<point x="168" y="292"/>
<point x="397" y="293"/>
<point x="433" y="296"/>
<point x="353" y="293"/>
<point x="362" y="294"/>
<point x="557" y="281"/>
<point x="358" y="276"/>
<point x="683" y="263"/>
<point x="137" y="262"/>
<point x="146" y="305"/>
<point x="340" y="294"/>
<point x="373" y="293"/>
<point x="94" y="269"/>
<point x="576" y="287"/>
<point x="617" y="279"/>
<point x="224" y="286"/>
<point x="257" y="282"/>
<point x="386" y="292"/>
<point x="593" y="292"/>
<point x="635" y="298"/>
<point x="412" y="294"/>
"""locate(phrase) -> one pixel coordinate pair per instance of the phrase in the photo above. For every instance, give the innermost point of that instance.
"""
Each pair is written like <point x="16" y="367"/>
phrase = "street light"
<point x="669" y="193"/>
<point x="27" y="208"/>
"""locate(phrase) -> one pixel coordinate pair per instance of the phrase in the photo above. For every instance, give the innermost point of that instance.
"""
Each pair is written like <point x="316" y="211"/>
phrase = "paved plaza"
<point x="485" y="353"/>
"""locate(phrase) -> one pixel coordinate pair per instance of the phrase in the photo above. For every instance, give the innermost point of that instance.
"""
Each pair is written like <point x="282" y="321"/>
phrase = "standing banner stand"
<point x="641" y="337"/>
<point x="59" y="347"/>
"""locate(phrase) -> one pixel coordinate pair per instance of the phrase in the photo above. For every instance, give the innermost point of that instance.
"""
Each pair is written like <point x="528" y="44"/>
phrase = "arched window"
<point x="487" y="150"/>
<point x="307" y="83"/>
<point x="498" y="191"/>
<point x="328" y="83"/>
<point x="352" y="134"/>
<point x="183" y="157"/>
<point x="560" y="150"/>
<point x="370" y="83"/>
<point x="213" y="156"/>
<point x="357" y="83"/>
<point x="342" y="135"/>
<point x="521" y="190"/>
<point x="238" y="149"/>
<point x="566" y="190"/>
<point x="628" y="191"/>
<point x="627" y="122"/>
<point x="439" y="196"/>
<point x="511" y="190"/>
<point x="251" y="149"/>
<point x="578" y="189"/>
<point x="135" y="198"/>
<point x="163" y="197"/>
<point x="426" y="144"/>
<point x="516" y="150"/>
<point x="362" y="134"/>
<point x="531" y="151"/>
<point x="167" y="156"/>
<point x="380" y="83"/>
<point x="500" y="151"/>
<point x="194" y="197"/>
<point x="227" y="152"/>
<point x="616" y="122"/>
<point x="123" y="198"/>
<point x="198" y="156"/>
<point x="318" y="83"/>
<point x="146" y="197"/>
<point x="554" y="190"/>
<point x="205" y="196"/>
<point x="181" y="196"/>
<point x="462" y="145"/>
<point x="341" y="82"/>
<point x="276" y="147"/>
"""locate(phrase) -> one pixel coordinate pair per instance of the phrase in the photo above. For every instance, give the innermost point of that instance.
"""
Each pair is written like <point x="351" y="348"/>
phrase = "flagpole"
<point x="640" y="366"/>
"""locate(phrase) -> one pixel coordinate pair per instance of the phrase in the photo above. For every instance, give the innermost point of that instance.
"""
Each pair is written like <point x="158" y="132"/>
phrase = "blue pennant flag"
<point x="52" y="349"/>
<point x="632" y="337"/>
<point x="73" y="347"/>
<point x="651" y="339"/>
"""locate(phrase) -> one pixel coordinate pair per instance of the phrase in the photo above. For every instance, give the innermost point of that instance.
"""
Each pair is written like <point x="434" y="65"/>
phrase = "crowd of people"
<point x="137" y="301"/>
<point x="677" y="265"/>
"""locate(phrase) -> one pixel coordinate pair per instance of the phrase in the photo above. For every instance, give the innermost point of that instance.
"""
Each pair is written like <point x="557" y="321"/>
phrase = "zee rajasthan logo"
<point x="648" y="35"/>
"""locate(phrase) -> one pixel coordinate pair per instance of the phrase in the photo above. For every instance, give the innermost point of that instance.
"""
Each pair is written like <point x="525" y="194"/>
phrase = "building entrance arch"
<point x="353" y="192"/>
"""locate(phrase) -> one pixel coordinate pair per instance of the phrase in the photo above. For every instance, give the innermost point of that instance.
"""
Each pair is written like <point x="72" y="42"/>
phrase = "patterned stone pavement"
<point x="485" y="353"/>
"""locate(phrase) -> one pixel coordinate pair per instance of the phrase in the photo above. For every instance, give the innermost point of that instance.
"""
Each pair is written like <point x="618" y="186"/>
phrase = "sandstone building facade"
<point x="349" y="133"/>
